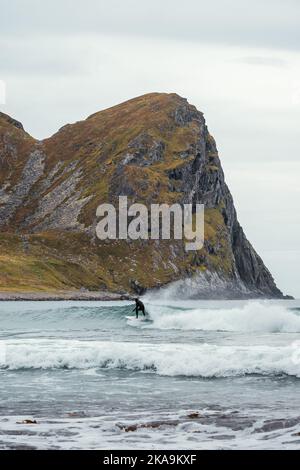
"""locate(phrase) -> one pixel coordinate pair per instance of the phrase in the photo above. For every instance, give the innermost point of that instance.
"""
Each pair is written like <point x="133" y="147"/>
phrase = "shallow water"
<point x="195" y="375"/>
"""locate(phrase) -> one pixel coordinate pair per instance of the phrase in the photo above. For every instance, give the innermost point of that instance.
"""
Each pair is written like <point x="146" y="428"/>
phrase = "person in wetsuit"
<point x="139" y="307"/>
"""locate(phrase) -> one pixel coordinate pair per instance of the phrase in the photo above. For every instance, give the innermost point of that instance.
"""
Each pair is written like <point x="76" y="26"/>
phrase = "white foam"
<point x="104" y="432"/>
<point x="204" y="360"/>
<point x="252" y="317"/>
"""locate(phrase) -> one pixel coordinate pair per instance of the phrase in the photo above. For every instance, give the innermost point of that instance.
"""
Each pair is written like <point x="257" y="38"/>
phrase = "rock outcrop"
<point x="152" y="149"/>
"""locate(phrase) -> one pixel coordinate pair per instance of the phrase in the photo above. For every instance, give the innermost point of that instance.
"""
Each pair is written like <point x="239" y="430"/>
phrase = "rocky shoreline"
<point x="61" y="295"/>
<point x="110" y="296"/>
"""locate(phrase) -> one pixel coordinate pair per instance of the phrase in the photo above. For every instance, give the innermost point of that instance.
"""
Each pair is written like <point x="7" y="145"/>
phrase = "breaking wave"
<point x="204" y="360"/>
<point x="252" y="317"/>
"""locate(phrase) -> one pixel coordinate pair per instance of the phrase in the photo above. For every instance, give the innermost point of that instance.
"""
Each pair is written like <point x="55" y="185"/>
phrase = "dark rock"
<point x="195" y="415"/>
<point x="137" y="287"/>
<point x="12" y="121"/>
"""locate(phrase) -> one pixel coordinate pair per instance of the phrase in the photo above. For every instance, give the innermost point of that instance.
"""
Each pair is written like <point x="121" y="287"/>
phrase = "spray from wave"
<point x="252" y="317"/>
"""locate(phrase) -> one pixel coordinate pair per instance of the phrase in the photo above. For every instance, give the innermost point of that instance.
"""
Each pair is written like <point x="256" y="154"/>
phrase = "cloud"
<point x="2" y="92"/>
<point x="47" y="57"/>
<point x="263" y="61"/>
<point x="271" y="23"/>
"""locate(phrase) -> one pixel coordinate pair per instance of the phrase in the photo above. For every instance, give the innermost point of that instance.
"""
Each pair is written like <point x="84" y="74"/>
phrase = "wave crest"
<point x="252" y="317"/>
<point x="203" y="360"/>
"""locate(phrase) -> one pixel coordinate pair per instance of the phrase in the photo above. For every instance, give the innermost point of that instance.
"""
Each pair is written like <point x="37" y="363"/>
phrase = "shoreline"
<point x="101" y="296"/>
<point x="61" y="295"/>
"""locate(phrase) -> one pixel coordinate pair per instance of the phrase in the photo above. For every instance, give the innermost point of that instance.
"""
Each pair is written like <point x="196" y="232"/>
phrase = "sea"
<point x="194" y="374"/>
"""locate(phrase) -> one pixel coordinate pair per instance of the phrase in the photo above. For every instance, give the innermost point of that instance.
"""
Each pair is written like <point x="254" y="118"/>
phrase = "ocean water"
<point x="195" y="375"/>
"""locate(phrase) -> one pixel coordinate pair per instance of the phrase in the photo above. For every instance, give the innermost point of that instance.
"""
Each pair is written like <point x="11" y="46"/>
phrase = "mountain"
<point x="154" y="149"/>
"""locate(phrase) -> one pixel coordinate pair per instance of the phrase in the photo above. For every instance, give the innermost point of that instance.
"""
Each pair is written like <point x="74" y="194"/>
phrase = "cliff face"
<point x="153" y="149"/>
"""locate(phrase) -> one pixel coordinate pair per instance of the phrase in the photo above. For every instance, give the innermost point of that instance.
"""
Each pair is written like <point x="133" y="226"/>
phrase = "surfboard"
<point x="133" y="318"/>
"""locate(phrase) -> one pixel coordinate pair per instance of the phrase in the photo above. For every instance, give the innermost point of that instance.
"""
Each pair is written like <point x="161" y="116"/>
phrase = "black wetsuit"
<point x="139" y="307"/>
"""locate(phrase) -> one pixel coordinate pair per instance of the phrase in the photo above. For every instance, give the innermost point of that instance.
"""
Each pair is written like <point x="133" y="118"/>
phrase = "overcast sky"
<point x="237" y="61"/>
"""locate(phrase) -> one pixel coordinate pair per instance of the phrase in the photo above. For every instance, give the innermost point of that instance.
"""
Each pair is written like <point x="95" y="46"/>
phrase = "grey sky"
<point x="271" y="23"/>
<point x="237" y="61"/>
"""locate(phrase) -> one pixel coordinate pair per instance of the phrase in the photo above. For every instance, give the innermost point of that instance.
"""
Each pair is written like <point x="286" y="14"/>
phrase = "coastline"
<point x="61" y="295"/>
<point x="103" y="296"/>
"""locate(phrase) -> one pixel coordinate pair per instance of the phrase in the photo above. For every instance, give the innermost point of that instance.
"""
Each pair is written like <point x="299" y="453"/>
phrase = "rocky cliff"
<point x="153" y="149"/>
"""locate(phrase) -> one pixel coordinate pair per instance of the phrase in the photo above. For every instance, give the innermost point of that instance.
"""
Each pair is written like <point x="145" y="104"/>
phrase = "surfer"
<point x="139" y="307"/>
